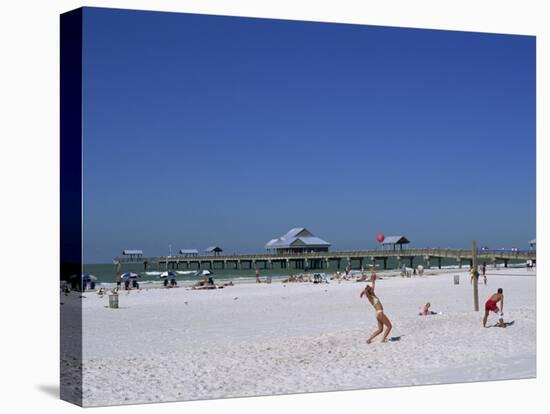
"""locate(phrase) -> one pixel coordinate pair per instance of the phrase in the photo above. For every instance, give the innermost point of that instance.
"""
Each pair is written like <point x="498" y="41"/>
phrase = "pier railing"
<point x="350" y="254"/>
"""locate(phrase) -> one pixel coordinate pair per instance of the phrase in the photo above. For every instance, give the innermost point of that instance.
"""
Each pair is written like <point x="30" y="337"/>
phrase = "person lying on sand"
<point x="207" y="283"/>
<point x="204" y="287"/>
<point x="361" y="278"/>
<point x="491" y="305"/>
<point x="381" y="318"/>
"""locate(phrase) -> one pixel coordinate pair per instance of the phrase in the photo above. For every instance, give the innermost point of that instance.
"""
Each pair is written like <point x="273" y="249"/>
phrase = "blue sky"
<point x="202" y="130"/>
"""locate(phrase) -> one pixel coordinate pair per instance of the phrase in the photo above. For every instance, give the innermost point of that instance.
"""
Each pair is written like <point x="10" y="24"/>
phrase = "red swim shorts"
<point x="491" y="305"/>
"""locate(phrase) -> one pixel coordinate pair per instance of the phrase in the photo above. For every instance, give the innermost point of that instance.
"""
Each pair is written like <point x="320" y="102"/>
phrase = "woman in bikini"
<point x="381" y="318"/>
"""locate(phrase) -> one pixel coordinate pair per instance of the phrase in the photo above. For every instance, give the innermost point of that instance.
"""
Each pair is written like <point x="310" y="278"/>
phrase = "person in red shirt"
<point x="491" y="306"/>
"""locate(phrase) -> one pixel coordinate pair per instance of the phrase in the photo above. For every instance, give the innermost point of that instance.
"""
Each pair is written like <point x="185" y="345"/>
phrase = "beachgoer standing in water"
<point x="491" y="305"/>
<point x="258" y="275"/>
<point x="381" y="318"/>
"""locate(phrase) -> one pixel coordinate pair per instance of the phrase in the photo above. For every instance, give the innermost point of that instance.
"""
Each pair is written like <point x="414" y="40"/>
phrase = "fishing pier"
<point x="428" y="257"/>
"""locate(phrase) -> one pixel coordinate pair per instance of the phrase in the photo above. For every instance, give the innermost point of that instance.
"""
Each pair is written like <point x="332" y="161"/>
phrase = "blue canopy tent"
<point x="86" y="277"/>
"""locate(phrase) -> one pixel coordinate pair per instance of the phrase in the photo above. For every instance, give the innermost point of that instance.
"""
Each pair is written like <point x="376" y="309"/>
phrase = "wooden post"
<point x="474" y="269"/>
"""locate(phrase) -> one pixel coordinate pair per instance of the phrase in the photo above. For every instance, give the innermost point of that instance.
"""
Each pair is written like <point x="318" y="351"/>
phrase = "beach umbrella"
<point x="88" y="277"/>
<point x="129" y="275"/>
<point x="203" y="273"/>
<point x="167" y="274"/>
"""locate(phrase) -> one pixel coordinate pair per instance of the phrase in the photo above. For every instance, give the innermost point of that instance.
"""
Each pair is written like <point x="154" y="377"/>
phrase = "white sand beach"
<point x="260" y="339"/>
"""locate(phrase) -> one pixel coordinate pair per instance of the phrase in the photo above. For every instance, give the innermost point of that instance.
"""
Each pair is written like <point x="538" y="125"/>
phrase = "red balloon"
<point x="380" y="237"/>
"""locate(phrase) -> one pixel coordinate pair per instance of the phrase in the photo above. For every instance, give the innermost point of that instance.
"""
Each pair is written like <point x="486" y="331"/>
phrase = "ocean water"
<point x="106" y="273"/>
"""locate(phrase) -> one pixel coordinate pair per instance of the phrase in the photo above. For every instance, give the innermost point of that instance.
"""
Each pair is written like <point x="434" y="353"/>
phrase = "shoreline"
<point x="188" y="281"/>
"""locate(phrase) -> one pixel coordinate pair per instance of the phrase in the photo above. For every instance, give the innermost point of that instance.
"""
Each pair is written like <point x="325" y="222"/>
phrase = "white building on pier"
<point x="297" y="240"/>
